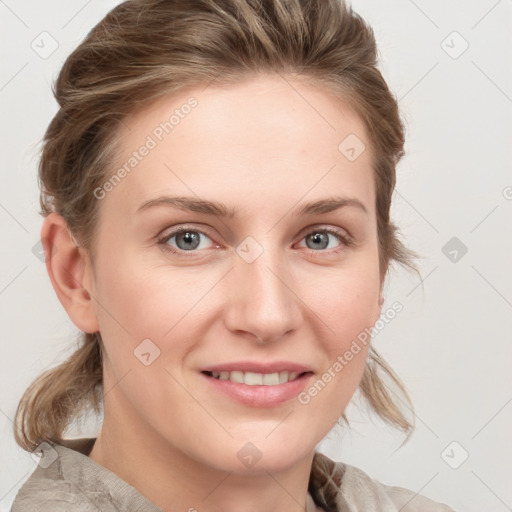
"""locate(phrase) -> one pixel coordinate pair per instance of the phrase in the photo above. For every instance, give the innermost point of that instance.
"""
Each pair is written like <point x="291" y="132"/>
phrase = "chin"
<point x="272" y="453"/>
<point x="251" y="454"/>
<point x="274" y="462"/>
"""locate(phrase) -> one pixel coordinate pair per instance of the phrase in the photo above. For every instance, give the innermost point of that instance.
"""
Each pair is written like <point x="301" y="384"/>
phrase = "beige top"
<point x="67" y="480"/>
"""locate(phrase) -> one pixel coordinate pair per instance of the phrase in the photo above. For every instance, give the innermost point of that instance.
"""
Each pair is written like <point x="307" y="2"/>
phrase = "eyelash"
<point x="346" y="241"/>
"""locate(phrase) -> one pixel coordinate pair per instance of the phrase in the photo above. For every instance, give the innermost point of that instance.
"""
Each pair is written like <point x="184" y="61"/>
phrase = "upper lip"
<point x="258" y="367"/>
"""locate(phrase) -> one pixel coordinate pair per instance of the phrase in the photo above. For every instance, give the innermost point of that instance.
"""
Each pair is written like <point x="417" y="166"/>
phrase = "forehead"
<point x="265" y="138"/>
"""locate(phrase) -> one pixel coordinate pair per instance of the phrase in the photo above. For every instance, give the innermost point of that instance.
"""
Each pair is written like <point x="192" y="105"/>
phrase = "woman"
<point x="216" y="189"/>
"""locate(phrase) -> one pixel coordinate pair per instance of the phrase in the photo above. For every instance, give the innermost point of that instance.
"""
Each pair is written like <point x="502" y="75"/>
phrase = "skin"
<point x="263" y="148"/>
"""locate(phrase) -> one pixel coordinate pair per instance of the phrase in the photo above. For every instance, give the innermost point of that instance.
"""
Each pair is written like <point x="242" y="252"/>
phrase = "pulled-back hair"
<point x="144" y="49"/>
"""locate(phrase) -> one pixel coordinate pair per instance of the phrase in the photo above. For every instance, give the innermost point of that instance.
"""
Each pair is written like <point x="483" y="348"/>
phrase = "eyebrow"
<point x="221" y="210"/>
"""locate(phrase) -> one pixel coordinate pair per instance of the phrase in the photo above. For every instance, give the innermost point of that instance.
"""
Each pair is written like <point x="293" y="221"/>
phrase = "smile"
<point x="256" y="379"/>
<point x="257" y="389"/>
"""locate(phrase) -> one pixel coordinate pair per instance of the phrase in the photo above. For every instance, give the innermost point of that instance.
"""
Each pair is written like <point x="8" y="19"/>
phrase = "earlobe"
<point x="379" y="308"/>
<point x="67" y="268"/>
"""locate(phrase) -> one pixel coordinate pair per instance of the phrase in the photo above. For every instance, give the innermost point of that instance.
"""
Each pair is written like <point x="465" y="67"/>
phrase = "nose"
<point x="261" y="300"/>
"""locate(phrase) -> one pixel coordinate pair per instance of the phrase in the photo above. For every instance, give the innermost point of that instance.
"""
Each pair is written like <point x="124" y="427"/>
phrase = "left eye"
<point x="319" y="239"/>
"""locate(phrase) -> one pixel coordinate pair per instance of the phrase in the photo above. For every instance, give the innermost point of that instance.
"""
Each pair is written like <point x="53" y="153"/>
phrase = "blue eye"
<point x="188" y="240"/>
<point x="320" y="238"/>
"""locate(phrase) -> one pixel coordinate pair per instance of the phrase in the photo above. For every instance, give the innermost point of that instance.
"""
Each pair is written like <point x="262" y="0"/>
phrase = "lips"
<point x="254" y="373"/>
<point x="257" y="367"/>
<point x="258" y="384"/>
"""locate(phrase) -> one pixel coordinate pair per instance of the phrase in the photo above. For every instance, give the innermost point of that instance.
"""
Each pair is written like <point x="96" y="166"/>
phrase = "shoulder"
<point x="360" y="489"/>
<point x="67" y="480"/>
<point x="48" y="491"/>
<point x="349" y="488"/>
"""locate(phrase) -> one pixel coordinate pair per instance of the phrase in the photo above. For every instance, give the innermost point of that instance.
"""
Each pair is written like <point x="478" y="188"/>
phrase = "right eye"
<point x="186" y="240"/>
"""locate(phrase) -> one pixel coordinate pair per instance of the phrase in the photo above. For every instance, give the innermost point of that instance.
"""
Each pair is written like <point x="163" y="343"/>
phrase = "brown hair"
<point x="144" y="49"/>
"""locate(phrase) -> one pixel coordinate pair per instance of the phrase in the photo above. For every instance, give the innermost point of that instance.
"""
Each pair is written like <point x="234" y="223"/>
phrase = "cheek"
<point x="348" y="305"/>
<point x="141" y="301"/>
<point x="144" y="312"/>
<point x="348" y="301"/>
<point x="128" y="304"/>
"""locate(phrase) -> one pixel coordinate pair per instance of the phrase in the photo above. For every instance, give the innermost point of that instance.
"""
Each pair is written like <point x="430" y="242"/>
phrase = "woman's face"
<point x="261" y="288"/>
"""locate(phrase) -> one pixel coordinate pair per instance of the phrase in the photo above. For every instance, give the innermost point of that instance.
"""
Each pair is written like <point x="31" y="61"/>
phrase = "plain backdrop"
<point x="449" y="64"/>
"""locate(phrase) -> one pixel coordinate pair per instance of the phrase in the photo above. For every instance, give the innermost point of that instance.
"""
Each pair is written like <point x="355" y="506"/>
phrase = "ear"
<point x="70" y="272"/>
<point x="380" y="301"/>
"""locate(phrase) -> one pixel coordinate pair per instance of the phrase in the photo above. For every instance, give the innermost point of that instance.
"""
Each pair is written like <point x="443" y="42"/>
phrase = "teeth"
<point x="253" y="379"/>
<point x="237" y="377"/>
<point x="271" y="379"/>
<point x="256" y="379"/>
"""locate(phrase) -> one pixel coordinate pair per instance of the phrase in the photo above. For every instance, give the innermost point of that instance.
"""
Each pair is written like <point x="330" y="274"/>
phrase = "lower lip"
<point x="260" y="396"/>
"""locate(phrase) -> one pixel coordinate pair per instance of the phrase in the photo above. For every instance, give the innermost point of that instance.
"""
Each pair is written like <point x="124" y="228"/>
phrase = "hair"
<point x="144" y="49"/>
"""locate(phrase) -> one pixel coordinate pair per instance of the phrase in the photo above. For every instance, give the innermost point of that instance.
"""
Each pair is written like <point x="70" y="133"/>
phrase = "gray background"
<point x="450" y="344"/>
